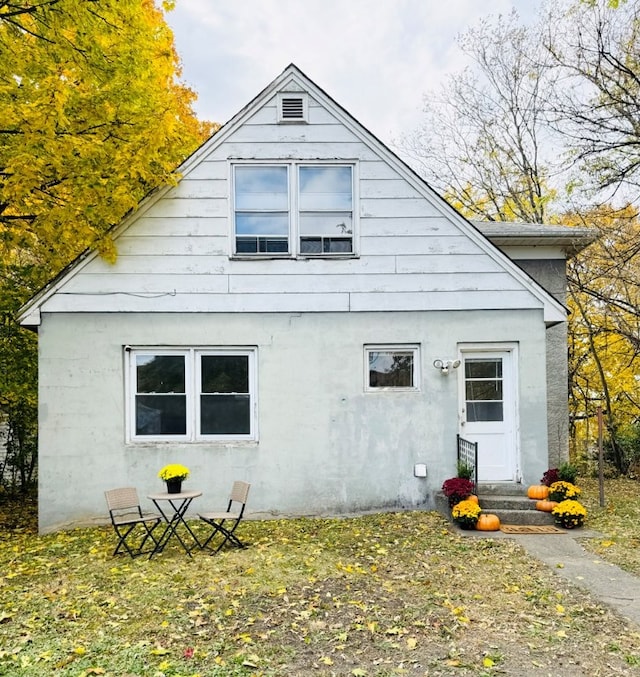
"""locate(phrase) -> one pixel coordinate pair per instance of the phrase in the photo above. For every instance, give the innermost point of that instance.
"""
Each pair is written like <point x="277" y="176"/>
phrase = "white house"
<point x="276" y="318"/>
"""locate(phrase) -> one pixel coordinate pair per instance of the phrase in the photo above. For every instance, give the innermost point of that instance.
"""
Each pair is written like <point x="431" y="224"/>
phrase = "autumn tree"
<point x="604" y="336"/>
<point x="595" y="49"/>
<point x="484" y="141"/>
<point x="93" y="117"/>
<point x="542" y="122"/>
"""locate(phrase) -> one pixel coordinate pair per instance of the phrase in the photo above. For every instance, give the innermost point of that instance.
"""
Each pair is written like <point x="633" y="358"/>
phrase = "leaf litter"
<point x="377" y="595"/>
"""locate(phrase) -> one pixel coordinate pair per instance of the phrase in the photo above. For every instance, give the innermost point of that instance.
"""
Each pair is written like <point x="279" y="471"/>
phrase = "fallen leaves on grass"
<point x="616" y="522"/>
<point x="380" y="595"/>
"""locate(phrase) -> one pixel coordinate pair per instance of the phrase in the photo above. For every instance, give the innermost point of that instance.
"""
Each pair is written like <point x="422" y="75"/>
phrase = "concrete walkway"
<point x="567" y="558"/>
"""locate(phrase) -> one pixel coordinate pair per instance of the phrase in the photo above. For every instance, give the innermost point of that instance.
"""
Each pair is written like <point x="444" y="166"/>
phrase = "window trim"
<point x="294" y="234"/>
<point x="414" y="348"/>
<point x="192" y="392"/>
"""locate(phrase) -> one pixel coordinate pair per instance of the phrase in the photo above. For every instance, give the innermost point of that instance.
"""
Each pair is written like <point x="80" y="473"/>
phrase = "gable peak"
<point x="292" y="86"/>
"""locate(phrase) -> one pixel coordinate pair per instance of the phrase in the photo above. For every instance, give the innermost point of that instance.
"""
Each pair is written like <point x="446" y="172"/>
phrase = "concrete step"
<point x="511" y="508"/>
<point x="493" y="502"/>
<point x="502" y="488"/>
<point x="514" y="509"/>
<point x="532" y="517"/>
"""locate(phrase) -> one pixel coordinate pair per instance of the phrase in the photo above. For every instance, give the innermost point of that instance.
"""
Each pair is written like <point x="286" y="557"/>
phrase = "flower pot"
<point x="466" y="523"/>
<point x="467" y="526"/>
<point x="174" y="486"/>
<point x="569" y="521"/>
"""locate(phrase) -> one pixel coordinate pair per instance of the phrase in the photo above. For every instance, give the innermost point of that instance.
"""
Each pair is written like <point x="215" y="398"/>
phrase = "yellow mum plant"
<point x="174" y="471"/>
<point x="569" y="514"/>
<point x="466" y="513"/>
<point x="560" y="491"/>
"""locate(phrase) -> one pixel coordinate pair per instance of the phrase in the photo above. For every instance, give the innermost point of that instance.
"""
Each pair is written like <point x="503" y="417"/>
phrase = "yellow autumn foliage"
<point x="93" y="116"/>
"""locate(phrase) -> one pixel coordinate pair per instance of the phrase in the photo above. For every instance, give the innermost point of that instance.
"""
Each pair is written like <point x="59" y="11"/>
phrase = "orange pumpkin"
<point x="538" y="491"/>
<point x="488" y="522"/>
<point x="546" y="505"/>
<point x="473" y="498"/>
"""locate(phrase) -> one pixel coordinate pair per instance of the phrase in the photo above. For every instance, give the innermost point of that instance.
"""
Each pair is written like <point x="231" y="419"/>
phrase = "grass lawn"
<point x="618" y="522"/>
<point x="388" y="594"/>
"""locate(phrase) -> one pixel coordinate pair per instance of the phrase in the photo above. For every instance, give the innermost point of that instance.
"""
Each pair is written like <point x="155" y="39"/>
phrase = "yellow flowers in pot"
<point x="466" y="513"/>
<point x="569" y="514"/>
<point x="174" y="471"/>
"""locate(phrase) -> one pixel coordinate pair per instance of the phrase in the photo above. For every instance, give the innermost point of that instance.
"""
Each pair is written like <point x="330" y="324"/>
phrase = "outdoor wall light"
<point x="446" y="365"/>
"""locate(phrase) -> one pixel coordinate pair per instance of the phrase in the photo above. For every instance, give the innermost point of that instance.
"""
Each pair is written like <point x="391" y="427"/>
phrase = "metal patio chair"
<point x="232" y="517"/>
<point x="129" y="522"/>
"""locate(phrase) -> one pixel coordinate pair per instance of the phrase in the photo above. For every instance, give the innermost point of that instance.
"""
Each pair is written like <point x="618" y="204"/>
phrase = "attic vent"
<point x="292" y="107"/>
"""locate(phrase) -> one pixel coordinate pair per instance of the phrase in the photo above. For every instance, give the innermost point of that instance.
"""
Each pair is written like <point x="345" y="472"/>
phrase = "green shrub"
<point x="568" y="472"/>
<point x="465" y="471"/>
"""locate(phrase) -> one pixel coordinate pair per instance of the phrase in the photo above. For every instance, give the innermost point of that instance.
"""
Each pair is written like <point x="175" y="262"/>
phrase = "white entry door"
<point x="488" y="411"/>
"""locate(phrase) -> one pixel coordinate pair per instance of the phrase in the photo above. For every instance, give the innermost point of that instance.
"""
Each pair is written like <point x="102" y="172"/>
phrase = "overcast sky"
<point x="376" y="58"/>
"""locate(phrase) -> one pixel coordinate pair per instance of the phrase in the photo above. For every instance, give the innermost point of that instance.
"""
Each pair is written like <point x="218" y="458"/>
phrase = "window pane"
<point x="484" y="390"/>
<point x="483" y="368"/>
<point x="323" y="188"/>
<point x="390" y="369"/>
<point x="225" y="374"/>
<point x="225" y="415"/>
<point x="337" y="245"/>
<point x="199" y="392"/>
<point x="261" y="188"/>
<point x="325" y="245"/>
<point x="160" y="374"/>
<point x="262" y="224"/>
<point x="484" y="411"/>
<point x="311" y="245"/>
<point x="161" y="415"/>
<point x="253" y="245"/>
<point x="326" y="223"/>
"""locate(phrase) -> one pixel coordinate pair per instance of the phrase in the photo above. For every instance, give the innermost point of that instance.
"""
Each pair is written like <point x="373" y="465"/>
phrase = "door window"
<point x="483" y="389"/>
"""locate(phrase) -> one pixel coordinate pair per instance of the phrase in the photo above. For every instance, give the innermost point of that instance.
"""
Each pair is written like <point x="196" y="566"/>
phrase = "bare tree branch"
<point x="483" y="142"/>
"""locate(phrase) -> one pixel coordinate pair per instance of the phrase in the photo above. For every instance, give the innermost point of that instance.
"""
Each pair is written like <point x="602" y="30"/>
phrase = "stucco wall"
<point x="325" y="446"/>
<point x="551" y="274"/>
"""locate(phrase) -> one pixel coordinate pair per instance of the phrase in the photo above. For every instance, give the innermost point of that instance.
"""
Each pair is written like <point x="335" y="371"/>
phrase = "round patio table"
<point x="173" y="512"/>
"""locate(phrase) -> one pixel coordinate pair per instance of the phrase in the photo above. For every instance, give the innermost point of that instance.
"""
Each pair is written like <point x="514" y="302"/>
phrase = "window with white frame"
<point x="392" y="367"/>
<point x="292" y="209"/>
<point x="191" y="394"/>
<point x="261" y="209"/>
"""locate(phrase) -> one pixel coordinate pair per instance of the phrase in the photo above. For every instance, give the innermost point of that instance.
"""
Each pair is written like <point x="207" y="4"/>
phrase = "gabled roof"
<point x="293" y="79"/>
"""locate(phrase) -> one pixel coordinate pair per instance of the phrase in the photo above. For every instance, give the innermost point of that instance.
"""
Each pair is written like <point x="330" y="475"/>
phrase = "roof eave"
<point x="572" y="240"/>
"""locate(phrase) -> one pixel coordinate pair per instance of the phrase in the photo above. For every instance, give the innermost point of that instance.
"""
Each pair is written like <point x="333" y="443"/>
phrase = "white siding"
<point x="175" y="255"/>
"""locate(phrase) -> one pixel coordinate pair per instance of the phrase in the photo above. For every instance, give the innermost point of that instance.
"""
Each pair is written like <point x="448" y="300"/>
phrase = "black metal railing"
<point x="468" y="455"/>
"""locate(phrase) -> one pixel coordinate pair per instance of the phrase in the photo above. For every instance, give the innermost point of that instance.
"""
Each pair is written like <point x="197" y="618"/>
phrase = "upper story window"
<point x="294" y="209"/>
<point x="325" y="210"/>
<point x="262" y="209"/>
